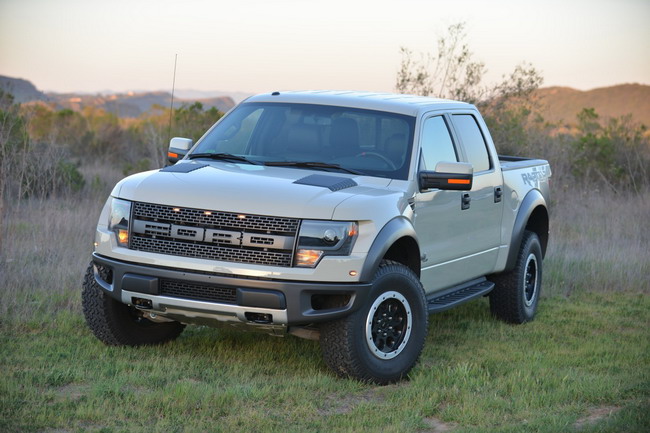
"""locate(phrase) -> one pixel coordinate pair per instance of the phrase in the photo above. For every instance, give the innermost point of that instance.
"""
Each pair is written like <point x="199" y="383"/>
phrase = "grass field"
<point x="582" y="365"/>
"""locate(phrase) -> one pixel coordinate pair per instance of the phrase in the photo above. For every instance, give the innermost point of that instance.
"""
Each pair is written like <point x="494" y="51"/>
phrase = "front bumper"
<point x="196" y="297"/>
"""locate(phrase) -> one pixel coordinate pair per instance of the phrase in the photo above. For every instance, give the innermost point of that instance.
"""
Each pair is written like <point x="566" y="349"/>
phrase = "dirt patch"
<point x="71" y="391"/>
<point x="595" y="415"/>
<point x="437" y="426"/>
<point x="337" y="405"/>
<point x="138" y="390"/>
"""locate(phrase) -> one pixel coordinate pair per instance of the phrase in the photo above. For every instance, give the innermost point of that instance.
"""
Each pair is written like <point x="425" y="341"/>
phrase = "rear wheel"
<point x="516" y="295"/>
<point x="382" y="341"/>
<point x="118" y="324"/>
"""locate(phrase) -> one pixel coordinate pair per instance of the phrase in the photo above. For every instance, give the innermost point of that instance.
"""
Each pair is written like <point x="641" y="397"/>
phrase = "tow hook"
<point x="142" y="304"/>
<point x="260" y="318"/>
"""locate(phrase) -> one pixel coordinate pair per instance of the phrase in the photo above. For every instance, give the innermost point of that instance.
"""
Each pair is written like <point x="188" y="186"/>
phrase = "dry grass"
<point x="582" y="356"/>
<point x="599" y="242"/>
<point x="46" y="246"/>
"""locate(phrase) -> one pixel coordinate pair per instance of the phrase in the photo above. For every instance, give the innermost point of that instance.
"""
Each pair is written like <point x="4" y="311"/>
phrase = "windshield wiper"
<point x="224" y="156"/>
<point x="306" y="164"/>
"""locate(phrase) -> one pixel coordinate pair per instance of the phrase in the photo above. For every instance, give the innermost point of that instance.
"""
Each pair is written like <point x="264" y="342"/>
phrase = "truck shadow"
<point x="229" y="348"/>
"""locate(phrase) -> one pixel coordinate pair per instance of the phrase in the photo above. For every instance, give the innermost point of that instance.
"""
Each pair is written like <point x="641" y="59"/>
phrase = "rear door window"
<point x="472" y="139"/>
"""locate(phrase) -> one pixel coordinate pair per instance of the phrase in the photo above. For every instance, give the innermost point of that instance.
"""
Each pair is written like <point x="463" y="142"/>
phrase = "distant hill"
<point x="198" y="95"/>
<point x="562" y="104"/>
<point x="131" y="104"/>
<point x="134" y="104"/>
<point x="23" y="90"/>
<point x="558" y="104"/>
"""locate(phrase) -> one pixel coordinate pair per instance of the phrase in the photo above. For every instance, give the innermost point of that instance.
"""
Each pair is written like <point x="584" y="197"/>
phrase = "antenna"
<point x="171" y="105"/>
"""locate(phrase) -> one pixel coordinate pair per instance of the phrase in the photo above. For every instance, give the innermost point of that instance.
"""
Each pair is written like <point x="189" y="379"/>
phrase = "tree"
<point x="13" y="143"/>
<point x="451" y="73"/>
<point x="614" y="152"/>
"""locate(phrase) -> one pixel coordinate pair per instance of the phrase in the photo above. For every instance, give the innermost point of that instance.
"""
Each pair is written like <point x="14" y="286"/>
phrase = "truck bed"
<point x="516" y="162"/>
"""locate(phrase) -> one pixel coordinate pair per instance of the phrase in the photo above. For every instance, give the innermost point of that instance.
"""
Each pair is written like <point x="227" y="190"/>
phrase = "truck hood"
<point x="245" y="188"/>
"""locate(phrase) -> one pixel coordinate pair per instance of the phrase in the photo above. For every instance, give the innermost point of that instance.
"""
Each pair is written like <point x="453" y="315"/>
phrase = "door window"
<point x="436" y="142"/>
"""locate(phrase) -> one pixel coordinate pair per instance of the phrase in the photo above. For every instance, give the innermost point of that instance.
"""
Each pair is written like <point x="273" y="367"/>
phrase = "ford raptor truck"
<point x="347" y="217"/>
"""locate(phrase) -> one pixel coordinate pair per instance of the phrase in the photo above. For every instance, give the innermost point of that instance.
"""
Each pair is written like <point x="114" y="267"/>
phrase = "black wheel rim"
<point x="388" y="325"/>
<point x="530" y="280"/>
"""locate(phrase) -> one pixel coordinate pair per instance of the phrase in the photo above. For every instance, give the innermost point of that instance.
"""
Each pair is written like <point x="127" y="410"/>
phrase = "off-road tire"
<point x="516" y="293"/>
<point x="353" y="347"/>
<point x="117" y="324"/>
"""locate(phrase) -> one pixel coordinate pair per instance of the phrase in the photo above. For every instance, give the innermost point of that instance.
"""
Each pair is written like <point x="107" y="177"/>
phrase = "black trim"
<point x="394" y="230"/>
<point x="295" y="296"/>
<point x="444" y="181"/>
<point x="454" y="296"/>
<point x="261" y="298"/>
<point x="183" y="168"/>
<point x="333" y="183"/>
<point x="532" y="200"/>
<point x="141" y="284"/>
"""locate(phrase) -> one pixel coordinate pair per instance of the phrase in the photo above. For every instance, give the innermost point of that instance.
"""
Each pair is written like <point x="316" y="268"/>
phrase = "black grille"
<point x="214" y="219"/>
<point x="210" y="252"/>
<point x="160" y="236"/>
<point x="199" y="292"/>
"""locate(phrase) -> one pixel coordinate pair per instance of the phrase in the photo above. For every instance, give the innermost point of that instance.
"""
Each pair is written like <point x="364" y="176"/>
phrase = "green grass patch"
<point x="582" y="365"/>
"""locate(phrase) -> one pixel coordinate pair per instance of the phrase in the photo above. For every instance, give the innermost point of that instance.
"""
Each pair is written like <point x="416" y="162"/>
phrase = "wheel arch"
<point x="532" y="216"/>
<point x="396" y="241"/>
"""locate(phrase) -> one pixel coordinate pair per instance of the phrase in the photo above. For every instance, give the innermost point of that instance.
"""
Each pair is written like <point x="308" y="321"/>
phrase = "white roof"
<point x="392" y="102"/>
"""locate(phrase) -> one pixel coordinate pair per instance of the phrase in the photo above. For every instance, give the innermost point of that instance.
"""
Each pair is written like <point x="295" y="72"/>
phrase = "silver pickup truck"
<point x="346" y="217"/>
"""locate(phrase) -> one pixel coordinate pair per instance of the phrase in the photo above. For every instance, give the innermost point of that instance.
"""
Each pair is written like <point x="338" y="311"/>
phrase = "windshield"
<point x="374" y="143"/>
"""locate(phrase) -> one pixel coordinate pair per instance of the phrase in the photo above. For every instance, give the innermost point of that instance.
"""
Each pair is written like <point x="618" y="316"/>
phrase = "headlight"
<point x="324" y="238"/>
<point x="118" y="221"/>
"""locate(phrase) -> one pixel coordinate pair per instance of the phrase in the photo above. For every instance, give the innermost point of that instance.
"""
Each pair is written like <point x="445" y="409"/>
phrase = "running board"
<point x="454" y="296"/>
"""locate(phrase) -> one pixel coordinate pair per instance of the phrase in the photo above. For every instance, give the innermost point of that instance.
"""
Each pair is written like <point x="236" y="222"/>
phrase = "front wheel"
<point x="516" y="293"/>
<point x="118" y="324"/>
<point x="382" y="341"/>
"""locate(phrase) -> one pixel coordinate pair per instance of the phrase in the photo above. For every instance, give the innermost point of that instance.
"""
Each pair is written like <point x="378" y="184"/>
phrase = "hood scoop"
<point x="183" y="168"/>
<point x="333" y="183"/>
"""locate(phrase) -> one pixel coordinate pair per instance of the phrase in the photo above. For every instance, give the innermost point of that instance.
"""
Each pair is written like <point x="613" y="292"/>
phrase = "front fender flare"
<point x="395" y="229"/>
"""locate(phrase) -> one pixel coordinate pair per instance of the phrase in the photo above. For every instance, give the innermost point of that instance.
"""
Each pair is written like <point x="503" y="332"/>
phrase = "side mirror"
<point x="455" y="176"/>
<point x="178" y="148"/>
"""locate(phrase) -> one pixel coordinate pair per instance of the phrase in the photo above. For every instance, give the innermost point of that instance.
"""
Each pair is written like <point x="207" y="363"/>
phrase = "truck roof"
<point x="404" y="104"/>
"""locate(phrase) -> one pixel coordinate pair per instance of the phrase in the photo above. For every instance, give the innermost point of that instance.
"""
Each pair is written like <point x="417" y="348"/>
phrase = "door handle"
<point x="465" y="200"/>
<point x="498" y="193"/>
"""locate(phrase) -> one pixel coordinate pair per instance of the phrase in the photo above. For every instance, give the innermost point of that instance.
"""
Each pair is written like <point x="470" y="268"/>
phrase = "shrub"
<point x="614" y="152"/>
<point x="45" y="171"/>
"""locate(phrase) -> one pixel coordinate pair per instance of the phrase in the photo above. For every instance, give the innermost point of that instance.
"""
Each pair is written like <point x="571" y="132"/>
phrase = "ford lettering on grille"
<point x="213" y="235"/>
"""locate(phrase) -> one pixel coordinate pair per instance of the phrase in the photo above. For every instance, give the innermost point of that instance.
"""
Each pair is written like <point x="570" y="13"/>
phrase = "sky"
<point x="264" y="45"/>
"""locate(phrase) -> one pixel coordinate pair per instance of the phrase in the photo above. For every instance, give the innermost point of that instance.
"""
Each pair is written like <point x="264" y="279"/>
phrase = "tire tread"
<point x="506" y="300"/>
<point x="110" y="320"/>
<point x="339" y="339"/>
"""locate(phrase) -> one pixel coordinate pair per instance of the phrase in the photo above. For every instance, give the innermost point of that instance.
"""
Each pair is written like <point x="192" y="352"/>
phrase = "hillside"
<point x="23" y="90"/>
<point x="131" y="104"/>
<point x="134" y="104"/>
<point x="558" y="104"/>
<point x="562" y="104"/>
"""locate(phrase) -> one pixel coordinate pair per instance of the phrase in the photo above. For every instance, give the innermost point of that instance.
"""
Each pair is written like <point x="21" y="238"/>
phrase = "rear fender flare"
<point x="533" y="200"/>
